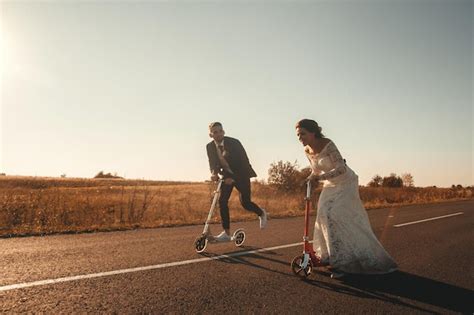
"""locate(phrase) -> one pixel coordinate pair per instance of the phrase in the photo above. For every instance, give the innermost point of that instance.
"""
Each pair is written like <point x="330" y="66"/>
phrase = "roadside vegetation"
<point x="38" y="205"/>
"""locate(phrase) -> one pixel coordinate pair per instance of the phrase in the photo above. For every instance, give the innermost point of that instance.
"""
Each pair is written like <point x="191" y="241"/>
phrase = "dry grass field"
<point x="37" y="206"/>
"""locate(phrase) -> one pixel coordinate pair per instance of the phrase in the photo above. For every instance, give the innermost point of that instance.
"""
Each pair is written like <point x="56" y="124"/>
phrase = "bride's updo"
<point x="311" y="126"/>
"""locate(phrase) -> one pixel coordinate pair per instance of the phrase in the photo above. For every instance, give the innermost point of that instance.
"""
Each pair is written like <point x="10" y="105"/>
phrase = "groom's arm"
<point x="214" y="164"/>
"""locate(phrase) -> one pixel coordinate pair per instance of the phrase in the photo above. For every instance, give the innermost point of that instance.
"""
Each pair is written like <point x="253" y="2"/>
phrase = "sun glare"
<point x="2" y="39"/>
<point x="5" y="50"/>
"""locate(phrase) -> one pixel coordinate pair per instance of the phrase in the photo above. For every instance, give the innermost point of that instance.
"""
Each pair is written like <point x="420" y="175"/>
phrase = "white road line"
<point x="121" y="271"/>
<point x="430" y="219"/>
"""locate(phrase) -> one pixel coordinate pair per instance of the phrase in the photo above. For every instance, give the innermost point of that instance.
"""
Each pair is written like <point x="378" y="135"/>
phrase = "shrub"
<point x="392" y="181"/>
<point x="101" y="174"/>
<point x="286" y="176"/>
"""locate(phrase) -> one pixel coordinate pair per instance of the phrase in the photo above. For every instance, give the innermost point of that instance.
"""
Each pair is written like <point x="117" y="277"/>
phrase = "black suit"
<point x="235" y="155"/>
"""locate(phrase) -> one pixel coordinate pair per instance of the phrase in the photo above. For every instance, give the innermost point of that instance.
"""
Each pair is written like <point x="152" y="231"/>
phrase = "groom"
<point x="227" y="156"/>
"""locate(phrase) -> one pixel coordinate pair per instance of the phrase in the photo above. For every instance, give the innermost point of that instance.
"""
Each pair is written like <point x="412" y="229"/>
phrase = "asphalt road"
<point x="158" y="271"/>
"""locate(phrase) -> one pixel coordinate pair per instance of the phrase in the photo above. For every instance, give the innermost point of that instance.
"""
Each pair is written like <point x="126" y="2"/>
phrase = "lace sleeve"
<point x="311" y="165"/>
<point x="337" y="161"/>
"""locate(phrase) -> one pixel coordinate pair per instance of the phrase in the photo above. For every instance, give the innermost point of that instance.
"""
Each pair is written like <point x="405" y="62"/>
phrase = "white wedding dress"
<point x="343" y="236"/>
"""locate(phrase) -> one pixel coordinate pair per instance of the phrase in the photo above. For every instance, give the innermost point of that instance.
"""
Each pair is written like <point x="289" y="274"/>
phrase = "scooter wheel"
<point x="200" y="244"/>
<point x="298" y="269"/>
<point x="239" y="238"/>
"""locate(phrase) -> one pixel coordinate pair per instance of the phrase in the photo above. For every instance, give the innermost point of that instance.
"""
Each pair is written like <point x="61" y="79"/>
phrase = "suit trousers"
<point x="243" y="186"/>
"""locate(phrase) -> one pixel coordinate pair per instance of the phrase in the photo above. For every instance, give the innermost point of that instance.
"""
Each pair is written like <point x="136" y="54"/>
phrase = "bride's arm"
<point x="338" y="162"/>
<point x="314" y="172"/>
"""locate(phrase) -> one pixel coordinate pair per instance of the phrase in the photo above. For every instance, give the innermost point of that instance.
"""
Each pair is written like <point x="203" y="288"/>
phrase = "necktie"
<point x="223" y="161"/>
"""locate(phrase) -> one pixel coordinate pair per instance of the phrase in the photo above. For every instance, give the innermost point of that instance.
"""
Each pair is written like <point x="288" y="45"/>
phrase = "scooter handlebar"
<point x="308" y="189"/>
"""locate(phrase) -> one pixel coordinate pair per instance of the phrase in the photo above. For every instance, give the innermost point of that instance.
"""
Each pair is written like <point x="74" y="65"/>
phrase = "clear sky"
<point x="130" y="87"/>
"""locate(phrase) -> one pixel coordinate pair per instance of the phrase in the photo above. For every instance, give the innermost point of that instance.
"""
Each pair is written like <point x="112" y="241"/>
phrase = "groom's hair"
<point x="214" y="124"/>
<point x="310" y="125"/>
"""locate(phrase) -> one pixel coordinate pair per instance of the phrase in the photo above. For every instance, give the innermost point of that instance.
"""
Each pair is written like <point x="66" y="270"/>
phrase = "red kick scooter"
<point x="302" y="265"/>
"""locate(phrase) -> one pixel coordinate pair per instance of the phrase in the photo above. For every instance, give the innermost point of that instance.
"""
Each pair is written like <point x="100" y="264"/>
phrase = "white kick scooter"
<point x="206" y="237"/>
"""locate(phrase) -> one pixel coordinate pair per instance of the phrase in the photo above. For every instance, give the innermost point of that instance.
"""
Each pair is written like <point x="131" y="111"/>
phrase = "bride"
<point x="343" y="237"/>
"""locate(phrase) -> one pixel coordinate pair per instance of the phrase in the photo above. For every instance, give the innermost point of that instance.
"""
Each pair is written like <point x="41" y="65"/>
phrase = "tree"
<point x="407" y="179"/>
<point x="284" y="175"/>
<point x="392" y="181"/>
<point x="376" y="181"/>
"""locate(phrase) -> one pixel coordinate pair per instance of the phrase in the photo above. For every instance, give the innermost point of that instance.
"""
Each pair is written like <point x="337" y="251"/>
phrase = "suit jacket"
<point x="235" y="156"/>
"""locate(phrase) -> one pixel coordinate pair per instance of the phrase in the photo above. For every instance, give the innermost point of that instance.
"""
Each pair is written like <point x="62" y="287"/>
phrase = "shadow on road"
<point x="244" y="259"/>
<point x="404" y="285"/>
<point x="389" y="288"/>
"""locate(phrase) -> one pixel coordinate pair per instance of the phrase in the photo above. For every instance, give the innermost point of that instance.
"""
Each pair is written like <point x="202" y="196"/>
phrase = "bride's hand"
<point x="312" y="178"/>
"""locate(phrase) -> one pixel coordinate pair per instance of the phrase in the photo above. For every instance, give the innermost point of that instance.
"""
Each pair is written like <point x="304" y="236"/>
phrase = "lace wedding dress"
<point x="343" y="236"/>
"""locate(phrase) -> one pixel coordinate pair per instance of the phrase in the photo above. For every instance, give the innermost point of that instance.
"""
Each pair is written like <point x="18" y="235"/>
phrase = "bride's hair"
<point x="311" y="126"/>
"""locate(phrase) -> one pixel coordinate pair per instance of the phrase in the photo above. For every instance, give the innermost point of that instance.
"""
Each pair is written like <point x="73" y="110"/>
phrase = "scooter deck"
<point x="212" y="239"/>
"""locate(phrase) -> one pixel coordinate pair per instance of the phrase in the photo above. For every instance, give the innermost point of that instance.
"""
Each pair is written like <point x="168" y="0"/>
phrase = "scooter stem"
<point x="213" y="206"/>
<point x="307" y="209"/>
